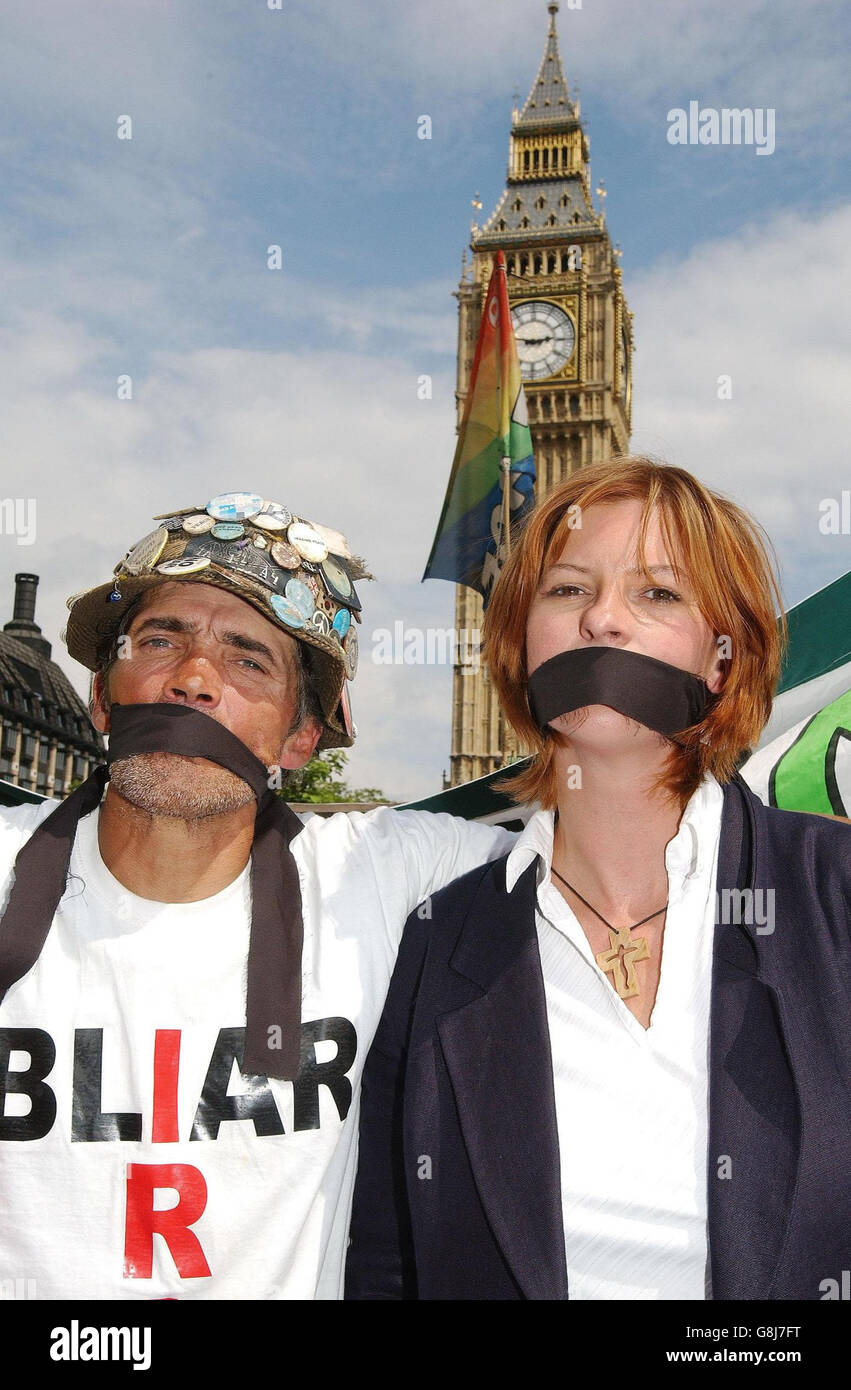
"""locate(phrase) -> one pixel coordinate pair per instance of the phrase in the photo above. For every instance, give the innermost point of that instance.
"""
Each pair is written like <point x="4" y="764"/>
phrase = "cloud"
<point x="640" y="60"/>
<point x="765" y="308"/>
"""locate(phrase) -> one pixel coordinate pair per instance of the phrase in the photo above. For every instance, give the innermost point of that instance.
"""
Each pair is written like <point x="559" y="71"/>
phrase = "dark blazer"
<point x="458" y="1189"/>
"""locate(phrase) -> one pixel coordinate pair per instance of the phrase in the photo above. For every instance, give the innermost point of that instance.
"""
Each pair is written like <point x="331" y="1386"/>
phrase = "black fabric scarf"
<point x="273" y="999"/>
<point x="654" y="693"/>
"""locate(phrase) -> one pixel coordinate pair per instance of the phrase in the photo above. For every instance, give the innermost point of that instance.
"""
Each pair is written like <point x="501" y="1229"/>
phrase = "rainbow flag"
<point x="469" y="546"/>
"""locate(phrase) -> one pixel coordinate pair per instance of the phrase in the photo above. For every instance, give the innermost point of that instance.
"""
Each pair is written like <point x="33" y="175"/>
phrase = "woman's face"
<point x="592" y="595"/>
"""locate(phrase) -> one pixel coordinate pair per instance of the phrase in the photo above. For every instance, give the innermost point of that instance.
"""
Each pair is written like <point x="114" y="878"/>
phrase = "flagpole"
<point x="505" y="462"/>
<point x="505" y="470"/>
<point x="509" y="740"/>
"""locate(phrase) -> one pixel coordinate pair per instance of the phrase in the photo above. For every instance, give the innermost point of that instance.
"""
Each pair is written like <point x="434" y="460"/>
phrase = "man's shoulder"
<point x="383" y="824"/>
<point x="323" y="832"/>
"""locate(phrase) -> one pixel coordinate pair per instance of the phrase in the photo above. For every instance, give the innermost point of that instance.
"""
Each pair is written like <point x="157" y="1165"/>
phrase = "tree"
<point x="321" y="780"/>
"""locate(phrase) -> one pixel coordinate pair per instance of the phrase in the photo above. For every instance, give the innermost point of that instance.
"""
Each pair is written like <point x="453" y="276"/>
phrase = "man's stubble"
<point x="168" y="784"/>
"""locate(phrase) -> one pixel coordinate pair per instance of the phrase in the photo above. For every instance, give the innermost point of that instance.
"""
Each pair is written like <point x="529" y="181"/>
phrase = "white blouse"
<point x="631" y="1103"/>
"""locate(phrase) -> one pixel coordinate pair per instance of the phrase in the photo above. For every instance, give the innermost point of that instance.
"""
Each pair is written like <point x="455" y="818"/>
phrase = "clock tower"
<point x="574" y="341"/>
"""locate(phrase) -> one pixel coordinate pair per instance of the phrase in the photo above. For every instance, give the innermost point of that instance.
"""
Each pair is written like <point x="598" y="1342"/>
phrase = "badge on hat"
<point x="235" y="506"/>
<point x="187" y="564"/>
<point x="307" y="541"/>
<point x="145" y="553"/>
<point x="273" y="517"/>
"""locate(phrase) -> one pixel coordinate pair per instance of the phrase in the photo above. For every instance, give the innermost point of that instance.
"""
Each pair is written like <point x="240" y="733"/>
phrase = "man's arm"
<point x="434" y="849"/>
<point x="381" y="1263"/>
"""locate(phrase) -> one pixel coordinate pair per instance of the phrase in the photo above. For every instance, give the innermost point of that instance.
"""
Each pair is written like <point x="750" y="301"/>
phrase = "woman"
<point x="616" y="1064"/>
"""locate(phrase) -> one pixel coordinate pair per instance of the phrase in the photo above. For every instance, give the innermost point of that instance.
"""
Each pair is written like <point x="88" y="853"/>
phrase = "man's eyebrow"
<point x="583" y="569"/>
<point x="249" y="644"/>
<point x="165" y="623"/>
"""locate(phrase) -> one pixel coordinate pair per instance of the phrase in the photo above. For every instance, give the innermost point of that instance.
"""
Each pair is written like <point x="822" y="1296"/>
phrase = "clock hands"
<point x="537" y="342"/>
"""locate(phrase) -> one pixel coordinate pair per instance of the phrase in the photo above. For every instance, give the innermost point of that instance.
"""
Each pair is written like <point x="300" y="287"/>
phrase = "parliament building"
<point x="47" y="742"/>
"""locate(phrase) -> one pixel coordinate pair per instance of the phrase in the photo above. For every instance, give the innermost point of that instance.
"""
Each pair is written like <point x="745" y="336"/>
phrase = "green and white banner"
<point x="803" y="761"/>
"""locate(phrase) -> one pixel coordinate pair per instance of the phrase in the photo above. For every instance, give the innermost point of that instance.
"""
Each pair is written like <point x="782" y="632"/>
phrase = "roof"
<point x="548" y="99"/>
<point x="481" y="799"/>
<point x="12" y="795"/>
<point x="49" y="690"/>
<point x="540" y="200"/>
<point x="559" y="200"/>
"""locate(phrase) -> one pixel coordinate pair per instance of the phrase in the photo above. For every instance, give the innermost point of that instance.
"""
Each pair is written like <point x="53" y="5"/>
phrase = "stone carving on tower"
<point x="574" y="340"/>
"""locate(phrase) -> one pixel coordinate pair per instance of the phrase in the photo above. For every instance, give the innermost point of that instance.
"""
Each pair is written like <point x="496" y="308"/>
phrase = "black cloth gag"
<point x="641" y="687"/>
<point x="273" y="999"/>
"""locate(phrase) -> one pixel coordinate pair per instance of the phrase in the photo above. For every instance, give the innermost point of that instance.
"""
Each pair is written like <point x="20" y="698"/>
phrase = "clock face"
<point x="545" y="337"/>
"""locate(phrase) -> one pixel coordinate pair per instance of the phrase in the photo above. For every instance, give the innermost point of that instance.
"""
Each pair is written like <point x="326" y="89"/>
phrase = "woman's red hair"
<point x="726" y="556"/>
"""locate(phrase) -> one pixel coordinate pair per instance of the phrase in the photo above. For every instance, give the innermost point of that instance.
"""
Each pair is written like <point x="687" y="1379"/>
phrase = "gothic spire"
<point x="548" y="188"/>
<point x="548" y="99"/>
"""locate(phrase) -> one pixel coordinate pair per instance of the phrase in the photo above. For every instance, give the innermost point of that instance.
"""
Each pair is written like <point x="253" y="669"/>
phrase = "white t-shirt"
<point x="136" y="1161"/>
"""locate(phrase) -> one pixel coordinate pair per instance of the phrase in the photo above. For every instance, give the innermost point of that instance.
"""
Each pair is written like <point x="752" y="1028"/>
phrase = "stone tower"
<point x="574" y="340"/>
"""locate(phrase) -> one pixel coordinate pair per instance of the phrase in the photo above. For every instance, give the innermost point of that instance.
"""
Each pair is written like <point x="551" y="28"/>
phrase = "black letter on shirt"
<point x="313" y="1074"/>
<point x="42" y="1112"/>
<point x="215" y="1105"/>
<point x="88" y="1123"/>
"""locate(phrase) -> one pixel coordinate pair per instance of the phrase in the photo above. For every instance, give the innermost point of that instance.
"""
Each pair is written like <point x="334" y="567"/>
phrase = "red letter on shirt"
<point x="143" y="1223"/>
<point x="166" y="1064"/>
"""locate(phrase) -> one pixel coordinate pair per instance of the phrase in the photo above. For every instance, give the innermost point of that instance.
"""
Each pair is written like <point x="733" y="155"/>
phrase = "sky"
<point x="256" y="126"/>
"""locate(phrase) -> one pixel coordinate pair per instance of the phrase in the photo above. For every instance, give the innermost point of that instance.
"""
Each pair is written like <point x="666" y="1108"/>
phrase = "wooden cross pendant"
<point x="619" y="961"/>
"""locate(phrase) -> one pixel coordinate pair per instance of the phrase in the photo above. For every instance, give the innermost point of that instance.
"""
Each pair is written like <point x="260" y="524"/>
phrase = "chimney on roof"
<point x="23" y="626"/>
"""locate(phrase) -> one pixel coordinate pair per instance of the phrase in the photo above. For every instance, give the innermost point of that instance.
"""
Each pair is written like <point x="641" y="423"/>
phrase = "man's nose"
<point x="195" y="682"/>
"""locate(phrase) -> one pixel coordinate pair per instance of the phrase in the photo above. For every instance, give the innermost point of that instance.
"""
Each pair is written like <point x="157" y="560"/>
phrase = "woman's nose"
<point x="606" y="616"/>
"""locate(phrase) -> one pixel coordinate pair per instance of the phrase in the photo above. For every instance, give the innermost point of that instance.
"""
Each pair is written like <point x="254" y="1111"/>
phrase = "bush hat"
<point x="296" y="573"/>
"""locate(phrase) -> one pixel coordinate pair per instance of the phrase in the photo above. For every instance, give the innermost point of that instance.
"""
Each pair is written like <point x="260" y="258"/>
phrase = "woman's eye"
<point x="559" y="589"/>
<point x="664" y="595"/>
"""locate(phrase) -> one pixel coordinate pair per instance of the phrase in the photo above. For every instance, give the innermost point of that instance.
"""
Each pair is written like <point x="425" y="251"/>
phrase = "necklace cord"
<point x="599" y="914"/>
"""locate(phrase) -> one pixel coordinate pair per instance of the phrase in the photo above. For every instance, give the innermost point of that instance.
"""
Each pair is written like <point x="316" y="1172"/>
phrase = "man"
<point x="192" y="976"/>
